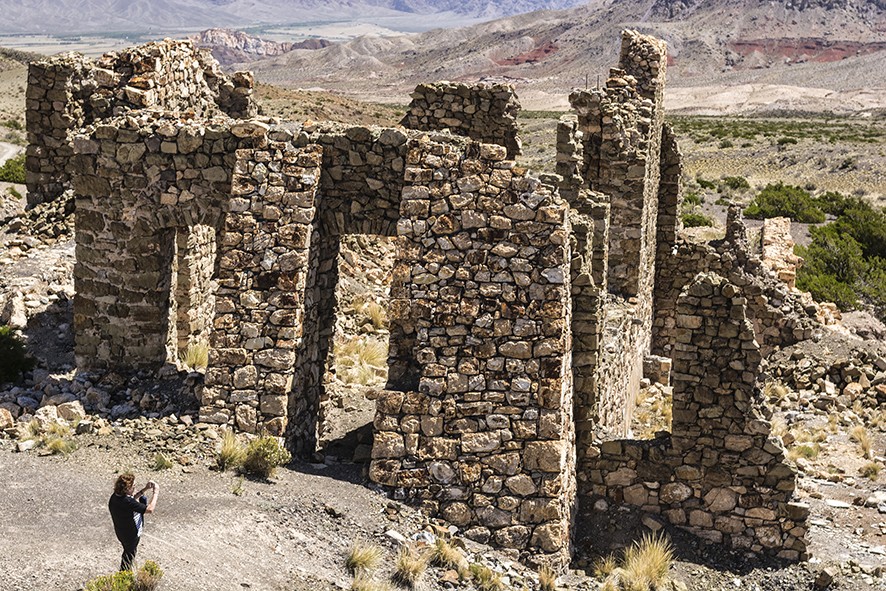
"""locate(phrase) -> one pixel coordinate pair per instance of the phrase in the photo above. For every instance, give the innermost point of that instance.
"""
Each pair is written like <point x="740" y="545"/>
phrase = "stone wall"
<point x="485" y="113"/>
<point x="780" y="317"/>
<point x="146" y="185"/>
<point x="483" y="283"/>
<point x="68" y="92"/>
<point x="719" y="474"/>
<point x="621" y="134"/>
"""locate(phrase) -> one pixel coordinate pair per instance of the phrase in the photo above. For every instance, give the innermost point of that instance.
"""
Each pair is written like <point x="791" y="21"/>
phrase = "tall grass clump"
<point x="485" y="578"/>
<point x="410" y="566"/>
<point x="445" y="555"/>
<point x="644" y="567"/>
<point x="196" y="356"/>
<point x="861" y="436"/>
<point x="363" y="558"/>
<point x="232" y="452"/>
<point x="547" y="579"/>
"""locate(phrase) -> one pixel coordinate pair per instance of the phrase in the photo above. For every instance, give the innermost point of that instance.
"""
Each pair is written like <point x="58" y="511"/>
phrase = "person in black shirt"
<point x="127" y="512"/>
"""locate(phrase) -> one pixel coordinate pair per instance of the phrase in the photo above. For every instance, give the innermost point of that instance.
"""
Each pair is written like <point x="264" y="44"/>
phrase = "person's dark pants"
<point x="128" y="558"/>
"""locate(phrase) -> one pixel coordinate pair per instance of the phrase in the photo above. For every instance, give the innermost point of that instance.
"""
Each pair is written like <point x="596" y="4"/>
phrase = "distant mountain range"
<point x="814" y="44"/>
<point x="73" y="17"/>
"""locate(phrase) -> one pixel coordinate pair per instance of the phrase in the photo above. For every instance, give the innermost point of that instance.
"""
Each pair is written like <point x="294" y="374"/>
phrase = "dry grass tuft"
<point x="362" y="361"/>
<point x="59" y="445"/>
<point x="410" y="566"/>
<point x="775" y="391"/>
<point x="861" y="436"/>
<point x="363" y="558"/>
<point x="485" y="578"/>
<point x="196" y="356"/>
<point x="646" y="562"/>
<point x="871" y="470"/>
<point x="645" y="566"/>
<point x="547" y="579"/>
<point x="375" y="313"/>
<point x="445" y="555"/>
<point x="161" y="462"/>
<point x="232" y="452"/>
<point x="603" y="567"/>
<point x="805" y="451"/>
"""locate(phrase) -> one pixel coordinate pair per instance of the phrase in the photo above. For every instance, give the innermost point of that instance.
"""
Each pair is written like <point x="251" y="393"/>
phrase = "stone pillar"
<point x="487" y="440"/>
<point x="669" y="200"/>
<point x="263" y="261"/>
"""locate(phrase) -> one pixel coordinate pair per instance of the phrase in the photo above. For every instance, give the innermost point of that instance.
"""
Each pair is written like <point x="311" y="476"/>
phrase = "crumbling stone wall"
<point x="68" y="92"/>
<point x="483" y="283"/>
<point x="140" y="182"/>
<point x="719" y="474"/>
<point x="485" y="113"/>
<point x="779" y="316"/>
<point x="621" y="126"/>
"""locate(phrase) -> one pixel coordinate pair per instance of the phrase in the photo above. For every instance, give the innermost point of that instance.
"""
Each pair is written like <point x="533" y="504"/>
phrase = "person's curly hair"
<point x="124" y="483"/>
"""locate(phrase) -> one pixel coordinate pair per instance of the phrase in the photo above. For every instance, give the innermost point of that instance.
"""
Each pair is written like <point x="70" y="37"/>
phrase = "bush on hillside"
<point x="780" y="200"/>
<point x="13" y="170"/>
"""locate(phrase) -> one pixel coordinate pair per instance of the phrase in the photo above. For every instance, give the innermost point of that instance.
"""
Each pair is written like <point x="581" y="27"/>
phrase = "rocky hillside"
<point x="229" y="46"/>
<point x="54" y="16"/>
<point x="837" y="43"/>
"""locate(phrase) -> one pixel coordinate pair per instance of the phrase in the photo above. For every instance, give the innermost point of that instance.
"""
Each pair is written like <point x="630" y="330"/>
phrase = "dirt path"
<point x="55" y="531"/>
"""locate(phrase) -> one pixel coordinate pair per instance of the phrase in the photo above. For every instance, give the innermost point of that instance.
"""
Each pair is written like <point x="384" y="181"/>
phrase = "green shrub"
<point x="695" y="220"/>
<point x="264" y="455"/>
<point x="784" y="141"/>
<point x="13" y="170"/>
<point x="736" y="182"/>
<point x="14" y="358"/>
<point x="146" y="578"/>
<point x="777" y="200"/>
<point x="705" y="184"/>
<point x="120" y="581"/>
<point x="832" y="202"/>
<point x="726" y="144"/>
<point x="692" y="198"/>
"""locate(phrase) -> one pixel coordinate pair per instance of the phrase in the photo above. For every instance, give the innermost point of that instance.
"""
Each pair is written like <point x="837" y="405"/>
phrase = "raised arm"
<point x="155" y="488"/>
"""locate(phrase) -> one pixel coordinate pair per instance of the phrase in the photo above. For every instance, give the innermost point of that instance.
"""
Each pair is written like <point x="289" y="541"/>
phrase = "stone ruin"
<point x="524" y="311"/>
<point x="69" y="92"/>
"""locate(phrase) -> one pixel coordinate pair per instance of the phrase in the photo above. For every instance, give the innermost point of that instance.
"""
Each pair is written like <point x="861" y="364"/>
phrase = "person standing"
<point x="128" y="514"/>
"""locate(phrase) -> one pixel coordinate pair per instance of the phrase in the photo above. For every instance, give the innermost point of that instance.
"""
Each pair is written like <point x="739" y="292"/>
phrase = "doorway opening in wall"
<point x="357" y="367"/>
<point x="653" y="412"/>
<point x="191" y="296"/>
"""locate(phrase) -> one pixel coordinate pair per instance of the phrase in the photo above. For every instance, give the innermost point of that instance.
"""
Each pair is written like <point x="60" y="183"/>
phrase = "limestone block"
<point x="72" y="411"/>
<point x="546" y="456"/>
<point x="388" y="445"/>
<point x="720" y="500"/>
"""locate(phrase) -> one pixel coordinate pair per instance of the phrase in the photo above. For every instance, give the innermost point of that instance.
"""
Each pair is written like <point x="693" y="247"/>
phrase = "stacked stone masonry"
<point x="718" y="473"/>
<point x="483" y="112"/>
<point x="68" y="92"/>
<point x="524" y="311"/>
